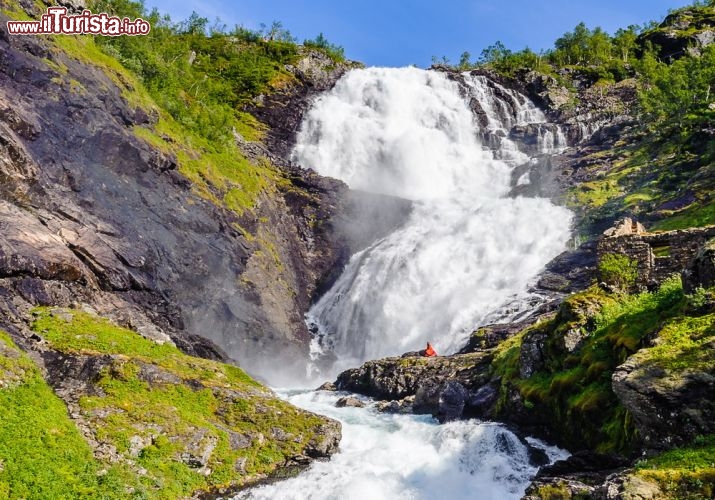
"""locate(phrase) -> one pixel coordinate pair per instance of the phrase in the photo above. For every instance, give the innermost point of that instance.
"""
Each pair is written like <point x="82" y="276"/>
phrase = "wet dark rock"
<point x="327" y="386"/>
<point x="481" y="401"/>
<point x="531" y="357"/>
<point x="403" y="406"/>
<point x="397" y="378"/>
<point x="537" y="456"/>
<point x="445" y="400"/>
<point x="571" y="271"/>
<point x="583" y="461"/>
<point x="349" y="402"/>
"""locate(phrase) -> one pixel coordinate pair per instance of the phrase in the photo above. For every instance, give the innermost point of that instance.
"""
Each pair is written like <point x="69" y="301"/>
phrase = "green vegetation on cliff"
<point x="193" y="80"/>
<point x="592" y="334"/>
<point x="163" y="424"/>
<point x="686" y="472"/>
<point x="180" y="424"/>
<point x="667" y="183"/>
<point x="662" y="170"/>
<point x="199" y="78"/>
<point x="42" y="454"/>
<point x="618" y="269"/>
<point x="200" y="75"/>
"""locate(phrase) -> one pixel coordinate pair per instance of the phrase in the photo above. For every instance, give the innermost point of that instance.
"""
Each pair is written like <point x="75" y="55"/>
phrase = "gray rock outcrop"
<point x="670" y="406"/>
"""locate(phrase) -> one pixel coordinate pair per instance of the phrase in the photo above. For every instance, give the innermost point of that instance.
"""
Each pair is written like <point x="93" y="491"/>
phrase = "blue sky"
<point x="391" y="33"/>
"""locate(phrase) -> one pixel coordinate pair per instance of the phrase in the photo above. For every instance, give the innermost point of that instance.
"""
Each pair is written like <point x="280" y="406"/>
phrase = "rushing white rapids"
<point x="395" y="457"/>
<point x="467" y="248"/>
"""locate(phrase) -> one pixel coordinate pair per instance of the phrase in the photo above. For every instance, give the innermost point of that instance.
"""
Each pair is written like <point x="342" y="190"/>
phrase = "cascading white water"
<point x="467" y="247"/>
<point x="505" y="109"/>
<point x="391" y="457"/>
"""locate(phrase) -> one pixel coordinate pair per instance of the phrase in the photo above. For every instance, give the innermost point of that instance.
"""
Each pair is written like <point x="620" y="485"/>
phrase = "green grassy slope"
<point x="177" y="424"/>
<point x="189" y="424"/>
<point x="42" y="453"/>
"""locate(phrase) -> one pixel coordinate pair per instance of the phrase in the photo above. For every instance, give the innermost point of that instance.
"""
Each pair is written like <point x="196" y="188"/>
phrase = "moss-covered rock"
<point x="685" y="472"/>
<point x="42" y="453"/>
<point x="156" y="422"/>
<point x="668" y="388"/>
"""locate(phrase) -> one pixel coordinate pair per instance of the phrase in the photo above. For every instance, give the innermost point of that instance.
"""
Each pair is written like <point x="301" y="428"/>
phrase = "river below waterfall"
<point x="386" y="456"/>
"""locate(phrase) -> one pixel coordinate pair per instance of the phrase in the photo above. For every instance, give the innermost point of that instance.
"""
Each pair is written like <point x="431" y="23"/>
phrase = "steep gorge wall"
<point x="93" y="215"/>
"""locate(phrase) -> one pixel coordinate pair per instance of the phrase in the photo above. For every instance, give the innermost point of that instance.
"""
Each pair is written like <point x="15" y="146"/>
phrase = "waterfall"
<point x="467" y="248"/>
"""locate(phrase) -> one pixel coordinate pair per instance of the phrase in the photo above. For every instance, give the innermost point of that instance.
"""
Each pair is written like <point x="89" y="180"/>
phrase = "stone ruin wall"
<point x="659" y="255"/>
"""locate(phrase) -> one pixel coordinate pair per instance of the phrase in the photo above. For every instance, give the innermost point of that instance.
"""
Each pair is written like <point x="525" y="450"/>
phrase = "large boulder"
<point x="670" y="405"/>
<point x="447" y="387"/>
<point x="445" y="400"/>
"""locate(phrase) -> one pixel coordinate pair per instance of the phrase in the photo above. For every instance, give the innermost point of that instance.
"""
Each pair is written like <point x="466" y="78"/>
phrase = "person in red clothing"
<point x="430" y="350"/>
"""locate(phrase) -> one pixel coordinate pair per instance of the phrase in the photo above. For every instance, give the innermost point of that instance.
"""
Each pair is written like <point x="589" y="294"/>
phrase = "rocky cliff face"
<point x="686" y="31"/>
<point x="283" y="110"/>
<point x="100" y="221"/>
<point x="93" y="214"/>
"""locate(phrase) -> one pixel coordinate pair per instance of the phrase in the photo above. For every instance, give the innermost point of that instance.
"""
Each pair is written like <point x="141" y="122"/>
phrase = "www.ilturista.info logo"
<point x="58" y="22"/>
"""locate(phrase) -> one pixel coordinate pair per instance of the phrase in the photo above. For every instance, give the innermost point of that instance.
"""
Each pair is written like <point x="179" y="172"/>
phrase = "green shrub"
<point x="618" y="270"/>
<point x="335" y="52"/>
